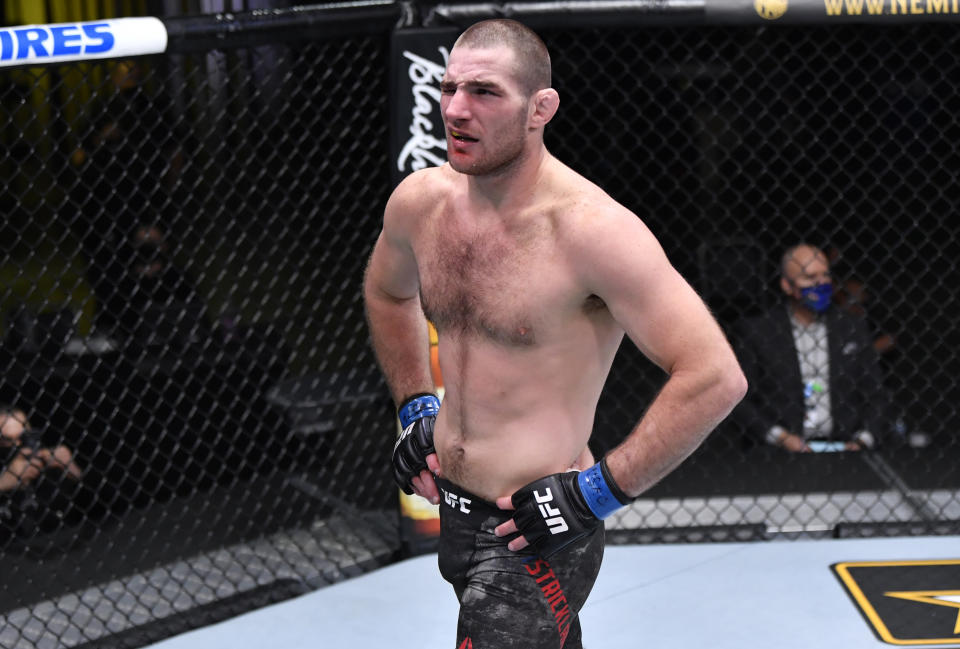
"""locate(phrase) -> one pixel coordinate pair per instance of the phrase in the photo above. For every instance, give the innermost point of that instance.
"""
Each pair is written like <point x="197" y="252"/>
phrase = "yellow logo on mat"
<point x="949" y="598"/>
<point x="907" y="602"/>
<point x="770" y="9"/>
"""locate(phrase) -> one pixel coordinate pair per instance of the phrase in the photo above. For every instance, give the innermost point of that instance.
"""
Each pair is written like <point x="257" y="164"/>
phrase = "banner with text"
<point x="827" y="12"/>
<point x="104" y="39"/>
<point x="418" y="59"/>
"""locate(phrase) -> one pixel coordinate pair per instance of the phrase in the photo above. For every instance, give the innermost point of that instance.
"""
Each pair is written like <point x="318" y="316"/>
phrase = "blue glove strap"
<point x="418" y="407"/>
<point x="597" y="492"/>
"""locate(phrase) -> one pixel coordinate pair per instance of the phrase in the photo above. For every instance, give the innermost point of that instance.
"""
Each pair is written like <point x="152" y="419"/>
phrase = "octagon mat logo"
<point x="906" y="602"/>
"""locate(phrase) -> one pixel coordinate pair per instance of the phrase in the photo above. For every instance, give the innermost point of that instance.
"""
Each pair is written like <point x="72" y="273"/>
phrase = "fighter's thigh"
<point x="525" y="601"/>
<point x="506" y="616"/>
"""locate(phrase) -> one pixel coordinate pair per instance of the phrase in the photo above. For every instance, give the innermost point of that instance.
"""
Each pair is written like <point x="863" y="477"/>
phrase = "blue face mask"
<point x="817" y="298"/>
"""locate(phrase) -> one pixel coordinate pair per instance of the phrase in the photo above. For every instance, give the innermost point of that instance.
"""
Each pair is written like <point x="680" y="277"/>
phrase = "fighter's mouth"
<point x="462" y="137"/>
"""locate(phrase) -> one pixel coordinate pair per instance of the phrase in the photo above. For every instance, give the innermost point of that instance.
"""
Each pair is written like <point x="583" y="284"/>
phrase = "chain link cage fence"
<point x="183" y="336"/>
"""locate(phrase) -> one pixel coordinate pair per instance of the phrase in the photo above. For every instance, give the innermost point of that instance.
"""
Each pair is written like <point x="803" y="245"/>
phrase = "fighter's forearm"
<point x="685" y="411"/>
<point x="398" y="330"/>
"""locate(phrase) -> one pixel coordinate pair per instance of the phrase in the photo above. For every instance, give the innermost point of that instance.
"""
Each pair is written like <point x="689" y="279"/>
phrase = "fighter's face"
<point x="485" y="113"/>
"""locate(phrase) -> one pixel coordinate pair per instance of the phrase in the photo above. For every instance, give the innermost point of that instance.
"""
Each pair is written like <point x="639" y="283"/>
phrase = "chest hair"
<point x="481" y="283"/>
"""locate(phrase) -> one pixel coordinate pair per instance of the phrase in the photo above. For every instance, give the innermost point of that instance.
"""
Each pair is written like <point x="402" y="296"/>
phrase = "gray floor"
<point x="779" y="594"/>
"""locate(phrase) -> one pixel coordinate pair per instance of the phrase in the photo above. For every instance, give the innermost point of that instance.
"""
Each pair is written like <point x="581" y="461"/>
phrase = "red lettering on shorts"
<point x="549" y="575"/>
<point x="557" y="601"/>
<point x="535" y="568"/>
<point x="552" y="588"/>
<point x="553" y="594"/>
<point x="466" y="644"/>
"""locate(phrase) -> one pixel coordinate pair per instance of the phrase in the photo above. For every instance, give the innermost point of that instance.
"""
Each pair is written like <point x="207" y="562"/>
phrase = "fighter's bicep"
<point x="668" y="321"/>
<point x="392" y="268"/>
<point x="646" y="296"/>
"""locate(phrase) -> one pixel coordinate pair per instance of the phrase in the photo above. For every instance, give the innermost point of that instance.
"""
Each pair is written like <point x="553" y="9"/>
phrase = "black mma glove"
<point x="555" y="511"/>
<point x="417" y="416"/>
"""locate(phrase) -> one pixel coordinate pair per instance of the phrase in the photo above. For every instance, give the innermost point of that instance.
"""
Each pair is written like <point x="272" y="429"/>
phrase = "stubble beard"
<point x="506" y="157"/>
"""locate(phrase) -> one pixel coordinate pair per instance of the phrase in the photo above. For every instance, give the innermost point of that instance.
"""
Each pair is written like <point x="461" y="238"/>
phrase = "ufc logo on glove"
<point x="551" y="515"/>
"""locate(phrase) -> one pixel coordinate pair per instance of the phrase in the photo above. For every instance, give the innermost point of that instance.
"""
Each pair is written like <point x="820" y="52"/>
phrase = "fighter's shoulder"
<point x="583" y="208"/>
<point x="422" y="187"/>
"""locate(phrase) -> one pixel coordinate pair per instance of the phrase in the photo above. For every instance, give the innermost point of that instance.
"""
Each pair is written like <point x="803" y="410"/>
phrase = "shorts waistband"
<point x="456" y="500"/>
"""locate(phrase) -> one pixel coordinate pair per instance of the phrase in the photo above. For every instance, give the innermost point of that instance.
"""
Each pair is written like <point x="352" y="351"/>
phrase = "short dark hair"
<point x="533" y="58"/>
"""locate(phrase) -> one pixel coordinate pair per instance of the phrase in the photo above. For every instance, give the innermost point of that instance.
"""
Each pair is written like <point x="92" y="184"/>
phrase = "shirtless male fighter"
<point x="531" y="275"/>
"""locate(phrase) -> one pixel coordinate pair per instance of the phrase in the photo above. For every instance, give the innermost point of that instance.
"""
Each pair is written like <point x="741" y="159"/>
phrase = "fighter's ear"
<point x="544" y="106"/>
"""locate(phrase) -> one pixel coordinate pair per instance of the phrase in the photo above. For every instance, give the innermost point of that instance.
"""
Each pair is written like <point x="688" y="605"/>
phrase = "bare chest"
<point x="492" y="285"/>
